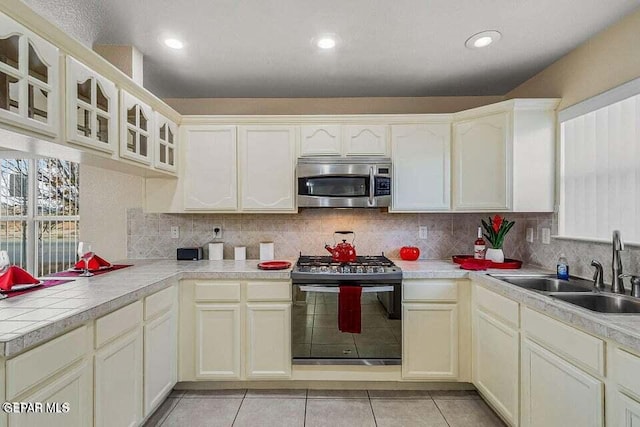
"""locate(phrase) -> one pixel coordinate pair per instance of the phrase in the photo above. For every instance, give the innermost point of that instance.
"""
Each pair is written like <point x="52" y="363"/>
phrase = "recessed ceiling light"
<point x="173" y="43"/>
<point x="482" y="39"/>
<point x="326" y="42"/>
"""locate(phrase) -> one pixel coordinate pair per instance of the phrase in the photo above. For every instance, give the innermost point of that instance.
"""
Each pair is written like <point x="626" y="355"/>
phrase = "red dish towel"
<point x="15" y="276"/>
<point x="349" y="309"/>
<point x="95" y="263"/>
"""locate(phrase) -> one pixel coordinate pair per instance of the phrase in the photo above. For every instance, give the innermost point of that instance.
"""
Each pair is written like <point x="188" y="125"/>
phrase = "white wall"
<point x="105" y="197"/>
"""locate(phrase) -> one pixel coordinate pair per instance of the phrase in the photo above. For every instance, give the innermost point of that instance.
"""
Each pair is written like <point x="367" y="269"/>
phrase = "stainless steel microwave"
<point x="351" y="182"/>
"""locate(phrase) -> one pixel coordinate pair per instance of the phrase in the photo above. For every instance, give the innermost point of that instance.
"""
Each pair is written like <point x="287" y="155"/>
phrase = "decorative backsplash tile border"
<point x="149" y="236"/>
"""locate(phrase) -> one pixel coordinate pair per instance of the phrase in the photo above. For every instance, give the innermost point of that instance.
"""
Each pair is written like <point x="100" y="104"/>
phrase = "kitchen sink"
<point x="547" y="283"/>
<point x="602" y="303"/>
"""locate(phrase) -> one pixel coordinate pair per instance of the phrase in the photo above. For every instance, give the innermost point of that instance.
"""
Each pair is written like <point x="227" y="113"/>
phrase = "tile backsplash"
<point x="149" y="236"/>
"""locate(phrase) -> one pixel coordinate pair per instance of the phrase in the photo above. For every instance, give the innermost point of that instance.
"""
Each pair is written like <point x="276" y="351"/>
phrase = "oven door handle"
<point x="336" y="289"/>
<point x="372" y="186"/>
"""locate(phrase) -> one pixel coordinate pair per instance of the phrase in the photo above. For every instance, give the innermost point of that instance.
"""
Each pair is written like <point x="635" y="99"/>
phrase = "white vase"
<point x="495" y="255"/>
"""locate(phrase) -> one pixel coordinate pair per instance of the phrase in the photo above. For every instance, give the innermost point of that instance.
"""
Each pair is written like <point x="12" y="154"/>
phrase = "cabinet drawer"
<point x="217" y="291"/>
<point x="585" y="350"/>
<point x="429" y="290"/>
<point x="626" y="370"/>
<point x="117" y="323"/>
<point x="497" y="305"/>
<point x="269" y="291"/>
<point x="159" y="302"/>
<point x="42" y="362"/>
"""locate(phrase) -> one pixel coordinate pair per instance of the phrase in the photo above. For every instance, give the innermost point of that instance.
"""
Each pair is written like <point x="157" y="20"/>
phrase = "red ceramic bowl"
<point x="409" y="253"/>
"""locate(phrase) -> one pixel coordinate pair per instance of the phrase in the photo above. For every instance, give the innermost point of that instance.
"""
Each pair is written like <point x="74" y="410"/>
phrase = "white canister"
<point x="266" y="251"/>
<point x="215" y="251"/>
<point x="240" y="253"/>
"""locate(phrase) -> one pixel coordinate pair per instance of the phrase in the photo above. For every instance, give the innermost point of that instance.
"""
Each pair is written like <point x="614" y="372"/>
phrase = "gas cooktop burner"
<point x="363" y="269"/>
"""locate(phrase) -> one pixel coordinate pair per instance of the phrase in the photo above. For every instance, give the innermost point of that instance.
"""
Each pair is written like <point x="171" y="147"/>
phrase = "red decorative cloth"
<point x="349" y="309"/>
<point x="16" y="276"/>
<point x="476" y="264"/>
<point x="95" y="263"/>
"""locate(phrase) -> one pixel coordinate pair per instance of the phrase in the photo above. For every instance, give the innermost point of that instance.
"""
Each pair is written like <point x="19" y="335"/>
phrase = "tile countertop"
<point x="32" y="319"/>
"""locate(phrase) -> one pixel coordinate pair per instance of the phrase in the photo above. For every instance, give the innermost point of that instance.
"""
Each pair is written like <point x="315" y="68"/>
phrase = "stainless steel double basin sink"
<point x="575" y="291"/>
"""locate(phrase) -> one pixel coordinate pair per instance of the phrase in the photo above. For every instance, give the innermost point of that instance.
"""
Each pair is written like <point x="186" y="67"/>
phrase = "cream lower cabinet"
<point x="496" y="352"/>
<point x="430" y="335"/>
<point x="627" y="411"/>
<point x="53" y="373"/>
<point x="160" y="347"/>
<point x="268" y="340"/>
<point x="556" y="393"/>
<point x="235" y="330"/>
<point x="218" y="335"/>
<point x="118" y="368"/>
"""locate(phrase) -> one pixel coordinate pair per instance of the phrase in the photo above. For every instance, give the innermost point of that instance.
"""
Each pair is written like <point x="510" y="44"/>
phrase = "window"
<point x="600" y="167"/>
<point x="39" y="213"/>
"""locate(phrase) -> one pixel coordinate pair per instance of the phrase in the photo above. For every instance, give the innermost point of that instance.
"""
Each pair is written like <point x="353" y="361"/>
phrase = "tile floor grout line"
<point x="372" y="411"/>
<point x="306" y="400"/>
<point x="440" y="410"/>
<point x="240" y="406"/>
<point x="163" y="419"/>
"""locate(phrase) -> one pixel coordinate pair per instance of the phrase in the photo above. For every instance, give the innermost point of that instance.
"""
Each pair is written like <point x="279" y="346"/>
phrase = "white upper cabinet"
<point x="267" y="168"/>
<point x="92" y="108"/>
<point x="481" y="177"/>
<point x="210" y="169"/>
<point x="136" y="129"/>
<point x="29" y="85"/>
<point x="504" y="157"/>
<point x="320" y="140"/>
<point x="166" y="142"/>
<point x="421" y="167"/>
<point x="366" y="140"/>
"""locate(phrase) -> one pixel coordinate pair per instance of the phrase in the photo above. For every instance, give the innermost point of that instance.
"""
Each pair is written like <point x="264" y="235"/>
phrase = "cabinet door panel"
<point x="160" y="359"/>
<point x="268" y="340"/>
<point x="430" y="341"/>
<point x="210" y="181"/>
<point x="629" y="411"/>
<point x="556" y="393"/>
<point x="74" y="387"/>
<point x="365" y="140"/>
<point x="118" y="386"/>
<point x="320" y="140"/>
<point x="496" y="364"/>
<point x="165" y="143"/>
<point x="481" y="177"/>
<point x="421" y="166"/>
<point x="267" y="167"/>
<point x="218" y="341"/>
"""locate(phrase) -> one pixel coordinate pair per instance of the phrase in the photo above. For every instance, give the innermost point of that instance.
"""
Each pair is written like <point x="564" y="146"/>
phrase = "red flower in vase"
<point x="496" y="223"/>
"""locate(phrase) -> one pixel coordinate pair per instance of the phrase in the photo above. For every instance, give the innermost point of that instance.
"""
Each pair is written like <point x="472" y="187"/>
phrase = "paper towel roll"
<point x="240" y="253"/>
<point x="266" y="251"/>
<point x="216" y="251"/>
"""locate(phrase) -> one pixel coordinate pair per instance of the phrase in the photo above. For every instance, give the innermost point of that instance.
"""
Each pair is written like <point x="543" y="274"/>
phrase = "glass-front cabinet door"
<point x="29" y="70"/>
<point x="166" y="143"/>
<point x="92" y="105"/>
<point x="136" y="129"/>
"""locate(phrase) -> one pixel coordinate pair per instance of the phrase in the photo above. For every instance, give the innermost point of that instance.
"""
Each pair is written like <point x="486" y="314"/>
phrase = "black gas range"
<point x="374" y="273"/>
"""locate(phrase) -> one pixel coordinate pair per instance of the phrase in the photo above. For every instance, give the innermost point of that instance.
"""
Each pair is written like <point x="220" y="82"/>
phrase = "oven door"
<point x="316" y="339"/>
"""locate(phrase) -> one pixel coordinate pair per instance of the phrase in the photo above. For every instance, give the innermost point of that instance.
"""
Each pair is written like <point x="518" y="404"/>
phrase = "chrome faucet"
<point x="598" y="280"/>
<point x="617" y="284"/>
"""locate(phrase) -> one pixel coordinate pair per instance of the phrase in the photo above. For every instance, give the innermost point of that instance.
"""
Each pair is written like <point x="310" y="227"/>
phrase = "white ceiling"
<point x="262" y="48"/>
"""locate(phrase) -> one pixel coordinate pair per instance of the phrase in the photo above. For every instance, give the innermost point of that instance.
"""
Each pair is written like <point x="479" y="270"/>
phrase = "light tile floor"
<point x="352" y="408"/>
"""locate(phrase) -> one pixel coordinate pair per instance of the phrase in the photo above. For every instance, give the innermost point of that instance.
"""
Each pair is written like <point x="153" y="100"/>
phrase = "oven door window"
<point x="334" y="186"/>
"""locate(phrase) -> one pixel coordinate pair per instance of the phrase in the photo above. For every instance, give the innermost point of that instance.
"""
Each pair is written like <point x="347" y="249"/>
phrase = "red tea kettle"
<point x="343" y="252"/>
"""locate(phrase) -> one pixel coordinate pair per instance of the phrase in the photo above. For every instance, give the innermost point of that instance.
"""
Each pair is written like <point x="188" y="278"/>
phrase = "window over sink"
<point x="39" y="212"/>
<point x="599" y="171"/>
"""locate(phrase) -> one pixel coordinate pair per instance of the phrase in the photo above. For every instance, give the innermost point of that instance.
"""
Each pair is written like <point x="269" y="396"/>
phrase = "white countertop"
<point x="31" y="319"/>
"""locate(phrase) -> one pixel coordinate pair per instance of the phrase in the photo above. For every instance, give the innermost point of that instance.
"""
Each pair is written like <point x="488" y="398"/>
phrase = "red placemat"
<point x="46" y="284"/>
<point x="68" y="273"/>
<point x="508" y="264"/>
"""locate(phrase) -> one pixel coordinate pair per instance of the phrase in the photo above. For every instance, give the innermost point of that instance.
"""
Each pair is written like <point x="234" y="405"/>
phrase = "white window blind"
<point x="600" y="173"/>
